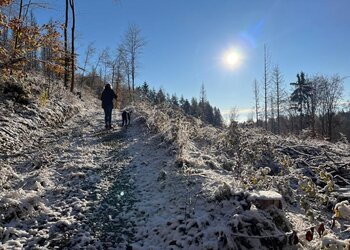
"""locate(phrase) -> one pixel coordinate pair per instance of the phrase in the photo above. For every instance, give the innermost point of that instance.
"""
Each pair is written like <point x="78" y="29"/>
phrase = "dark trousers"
<point x="108" y="115"/>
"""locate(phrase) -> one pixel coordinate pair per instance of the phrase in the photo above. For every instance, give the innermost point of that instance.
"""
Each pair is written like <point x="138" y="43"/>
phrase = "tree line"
<point x="199" y="108"/>
<point x="314" y="105"/>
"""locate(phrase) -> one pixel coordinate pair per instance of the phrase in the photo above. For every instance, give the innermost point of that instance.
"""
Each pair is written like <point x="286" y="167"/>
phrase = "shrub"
<point x="16" y="92"/>
<point x="43" y="98"/>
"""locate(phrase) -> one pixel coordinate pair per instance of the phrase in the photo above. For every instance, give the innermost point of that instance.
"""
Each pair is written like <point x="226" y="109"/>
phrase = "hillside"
<point x="168" y="181"/>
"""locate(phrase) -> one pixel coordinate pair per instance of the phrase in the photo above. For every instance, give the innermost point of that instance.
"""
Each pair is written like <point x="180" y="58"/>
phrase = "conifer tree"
<point x="300" y="95"/>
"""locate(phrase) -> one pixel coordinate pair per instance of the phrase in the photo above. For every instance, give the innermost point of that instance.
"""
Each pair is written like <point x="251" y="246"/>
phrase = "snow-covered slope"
<point x="228" y="178"/>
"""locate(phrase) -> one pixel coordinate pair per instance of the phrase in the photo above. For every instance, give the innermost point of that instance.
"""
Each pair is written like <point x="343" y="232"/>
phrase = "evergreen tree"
<point x="218" y="121"/>
<point x="145" y="88"/>
<point x="300" y="95"/>
<point x="186" y="106"/>
<point x="174" y="100"/>
<point x="168" y="98"/>
<point x="182" y="101"/>
<point x="152" y="95"/>
<point x="194" y="107"/>
<point x="208" y="113"/>
<point x="160" y="97"/>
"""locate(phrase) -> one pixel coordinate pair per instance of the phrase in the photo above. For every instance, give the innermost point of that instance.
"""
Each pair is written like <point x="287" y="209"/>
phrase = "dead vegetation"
<point x="311" y="175"/>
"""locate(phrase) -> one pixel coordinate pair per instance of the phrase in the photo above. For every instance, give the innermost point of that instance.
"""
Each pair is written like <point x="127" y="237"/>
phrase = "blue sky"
<point x="188" y="39"/>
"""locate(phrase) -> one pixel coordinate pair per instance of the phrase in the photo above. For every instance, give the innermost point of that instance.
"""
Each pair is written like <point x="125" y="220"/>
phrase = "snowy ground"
<point x="165" y="182"/>
<point x="52" y="192"/>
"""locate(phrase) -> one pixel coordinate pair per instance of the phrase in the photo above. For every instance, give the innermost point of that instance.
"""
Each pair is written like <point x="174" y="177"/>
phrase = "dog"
<point x="126" y="118"/>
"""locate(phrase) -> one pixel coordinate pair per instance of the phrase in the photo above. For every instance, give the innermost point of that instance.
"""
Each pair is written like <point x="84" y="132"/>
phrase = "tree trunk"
<point x="278" y="109"/>
<point x="323" y="125"/>
<point x="133" y="73"/>
<point x="272" y="115"/>
<point x="14" y="53"/>
<point x="66" y="59"/>
<point x="256" y="96"/>
<point x="113" y="74"/>
<point x="301" y="120"/>
<point x="330" y="118"/>
<point x="313" y="116"/>
<point x="71" y="2"/>
<point x="265" y="84"/>
<point x="129" y="86"/>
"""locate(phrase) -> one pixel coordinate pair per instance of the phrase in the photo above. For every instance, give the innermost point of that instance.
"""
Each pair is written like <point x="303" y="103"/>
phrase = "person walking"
<point x="107" y="104"/>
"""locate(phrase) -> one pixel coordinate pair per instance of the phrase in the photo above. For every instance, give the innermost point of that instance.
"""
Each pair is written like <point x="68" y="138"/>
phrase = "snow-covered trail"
<point x="80" y="186"/>
<point x="67" y="187"/>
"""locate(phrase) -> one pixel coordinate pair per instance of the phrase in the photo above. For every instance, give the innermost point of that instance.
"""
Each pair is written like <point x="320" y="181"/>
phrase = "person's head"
<point x="108" y="86"/>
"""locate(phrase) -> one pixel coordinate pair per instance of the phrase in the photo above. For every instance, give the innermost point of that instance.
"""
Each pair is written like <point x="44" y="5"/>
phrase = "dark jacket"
<point x="107" y="98"/>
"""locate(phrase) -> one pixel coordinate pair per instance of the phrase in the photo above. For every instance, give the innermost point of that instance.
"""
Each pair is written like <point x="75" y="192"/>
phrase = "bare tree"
<point x="333" y="96"/>
<point x="66" y="58"/>
<point x="113" y="66"/>
<point x="120" y="71"/>
<point x="94" y="71"/>
<point x="277" y="80"/>
<point x="234" y="114"/>
<point x="316" y="92"/>
<point x="32" y="54"/>
<point x="27" y="8"/>
<point x="266" y="80"/>
<point x="116" y="65"/>
<point x="126" y="66"/>
<point x="120" y="62"/>
<point x="256" y="98"/>
<point x="320" y="82"/>
<point x="272" y="112"/>
<point x="105" y="60"/>
<point x="71" y="3"/>
<point x="90" y="50"/>
<point x="133" y="45"/>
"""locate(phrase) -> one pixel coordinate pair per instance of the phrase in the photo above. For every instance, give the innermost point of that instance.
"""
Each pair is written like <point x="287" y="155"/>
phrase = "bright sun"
<point x="232" y="59"/>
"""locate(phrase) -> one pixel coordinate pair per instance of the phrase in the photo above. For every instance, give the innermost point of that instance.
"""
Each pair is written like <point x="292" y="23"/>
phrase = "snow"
<point x="266" y="195"/>
<point x="331" y="242"/>
<point x="168" y="181"/>
<point x="342" y="210"/>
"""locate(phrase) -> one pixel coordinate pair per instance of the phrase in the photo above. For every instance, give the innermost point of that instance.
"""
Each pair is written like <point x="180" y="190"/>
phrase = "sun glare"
<point x="232" y="59"/>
